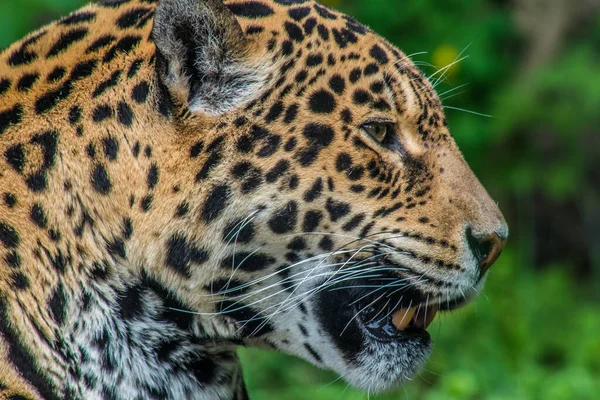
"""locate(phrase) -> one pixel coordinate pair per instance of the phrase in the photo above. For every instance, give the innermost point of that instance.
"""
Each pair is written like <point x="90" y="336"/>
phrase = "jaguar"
<point x="180" y="178"/>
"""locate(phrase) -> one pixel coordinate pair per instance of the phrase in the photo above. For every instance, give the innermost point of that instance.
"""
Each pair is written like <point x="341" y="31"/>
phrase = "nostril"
<point x="486" y="249"/>
<point x="481" y="248"/>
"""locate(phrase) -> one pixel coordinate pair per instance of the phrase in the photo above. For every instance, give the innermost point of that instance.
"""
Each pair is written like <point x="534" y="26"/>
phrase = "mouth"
<point x="387" y="321"/>
<point x="385" y="324"/>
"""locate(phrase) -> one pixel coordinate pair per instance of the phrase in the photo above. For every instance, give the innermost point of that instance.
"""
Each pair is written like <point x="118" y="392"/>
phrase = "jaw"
<point x="368" y="361"/>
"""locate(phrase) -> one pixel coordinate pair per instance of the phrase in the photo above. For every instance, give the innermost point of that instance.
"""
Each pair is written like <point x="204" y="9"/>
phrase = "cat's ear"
<point x="204" y="57"/>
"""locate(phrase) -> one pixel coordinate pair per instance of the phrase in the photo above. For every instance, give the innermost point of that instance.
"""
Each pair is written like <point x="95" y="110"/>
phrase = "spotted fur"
<point x="183" y="178"/>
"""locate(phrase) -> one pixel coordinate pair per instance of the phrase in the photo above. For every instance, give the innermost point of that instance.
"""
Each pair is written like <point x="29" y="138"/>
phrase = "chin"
<point x="384" y="366"/>
<point x="377" y="347"/>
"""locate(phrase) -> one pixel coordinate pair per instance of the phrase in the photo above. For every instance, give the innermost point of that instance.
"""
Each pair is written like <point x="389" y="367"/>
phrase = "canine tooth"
<point x="402" y="318"/>
<point x="431" y="312"/>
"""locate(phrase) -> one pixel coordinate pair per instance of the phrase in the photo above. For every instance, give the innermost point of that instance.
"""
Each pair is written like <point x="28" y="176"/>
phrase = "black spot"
<point x="74" y="115"/>
<point x="250" y="262"/>
<point x="10" y="117"/>
<point x="355" y="75"/>
<point x="111" y="147"/>
<point x="77" y="18"/>
<point x="15" y="156"/>
<point x="357" y="188"/>
<point x="354" y="222"/>
<point x="51" y="99"/>
<point x="337" y="209"/>
<point x="382" y="105"/>
<point x="153" y="175"/>
<point x="252" y="30"/>
<point x="100" y="43"/>
<point x="4" y="85"/>
<point x="107" y="84"/>
<point x="133" y="17"/>
<point x="284" y="220"/>
<point x="10" y="200"/>
<point x="290" y="113"/>
<point x="136" y="149"/>
<point x="100" y="180"/>
<point x="38" y="216"/>
<point x="290" y="145"/>
<point x="346" y="116"/>
<point x="239" y="231"/>
<point x="250" y="9"/>
<point x="90" y="149"/>
<point x="313" y="353"/>
<point x="314" y="60"/>
<point x="277" y="171"/>
<point x="343" y="37"/>
<point x="240" y="121"/>
<point x="49" y="142"/>
<point x="322" y="102"/>
<point x="124" y="114"/>
<point x="27" y="81"/>
<point x="213" y="160"/>
<point x="379" y="55"/>
<point x="9" y="236"/>
<point x="58" y="305"/>
<point x="371" y="69"/>
<point x="20" y="281"/>
<point x="134" y="68"/>
<point x="146" y="203"/>
<point x="102" y="112"/>
<point x="323" y="32"/>
<point x="361" y="97"/>
<point x="324" y="12"/>
<point x="337" y="84"/>
<point x="23" y="55"/>
<point x="343" y="162"/>
<point x="196" y="149"/>
<point x="37" y="182"/>
<point x="294" y="31"/>
<point x="326" y="243"/>
<point x="65" y="40"/>
<point x="318" y="136"/>
<point x="215" y="203"/>
<point x="181" y="253"/>
<point x="274" y="112"/>
<point x="377" y="87"/>
<point x="83" y="70"/>
<point x="315" y="191"/>
<point x="309" y="25"/>
<point x="139" y="94"/>
<point x="130" y="303"/>
<point x="182" y="210"/>
<point x="124" y="45"/>
<point x="299" y="13"/>
<point x="127" y="230"/>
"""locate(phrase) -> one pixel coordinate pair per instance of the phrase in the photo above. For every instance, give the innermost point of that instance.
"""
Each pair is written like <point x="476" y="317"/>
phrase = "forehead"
<point x="317" y="47"/>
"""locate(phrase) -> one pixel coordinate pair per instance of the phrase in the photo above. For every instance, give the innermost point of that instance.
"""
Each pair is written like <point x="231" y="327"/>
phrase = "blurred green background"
<point x="534" y="67"/>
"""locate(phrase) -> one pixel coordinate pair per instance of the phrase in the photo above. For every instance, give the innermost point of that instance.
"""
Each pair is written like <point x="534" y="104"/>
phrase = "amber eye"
<point x="377" y="131"/>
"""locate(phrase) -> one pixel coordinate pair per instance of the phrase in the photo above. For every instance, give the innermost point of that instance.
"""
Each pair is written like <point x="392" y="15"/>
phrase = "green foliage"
<point x="534" y="334"/>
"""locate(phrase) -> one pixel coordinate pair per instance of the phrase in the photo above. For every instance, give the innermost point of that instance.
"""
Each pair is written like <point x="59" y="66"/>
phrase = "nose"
<point x="486" y="248"/>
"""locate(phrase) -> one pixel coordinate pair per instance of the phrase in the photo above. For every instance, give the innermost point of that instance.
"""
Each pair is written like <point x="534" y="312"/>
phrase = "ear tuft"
<point x="205" y="58"/>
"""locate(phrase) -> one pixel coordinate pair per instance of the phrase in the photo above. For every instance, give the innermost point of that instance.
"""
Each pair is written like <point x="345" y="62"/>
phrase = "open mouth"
<point x="386" y="324"/>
